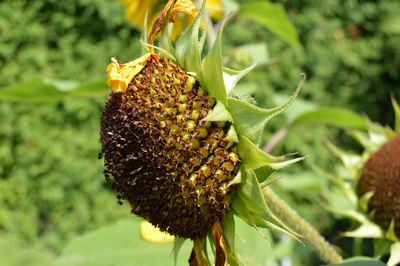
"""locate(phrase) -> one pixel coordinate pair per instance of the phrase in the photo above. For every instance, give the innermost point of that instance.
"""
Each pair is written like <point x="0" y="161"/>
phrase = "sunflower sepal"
<point x="396" y="108"/>
<point x="232" y="77"/>
<point x="251" y="119"/>
<point x="213" y="79"/>
<point x="188" y="49"/>
<point x="219" y="113"/>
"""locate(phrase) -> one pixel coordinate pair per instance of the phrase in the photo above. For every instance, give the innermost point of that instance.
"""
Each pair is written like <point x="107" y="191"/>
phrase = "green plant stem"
<point x="290" y="217"/>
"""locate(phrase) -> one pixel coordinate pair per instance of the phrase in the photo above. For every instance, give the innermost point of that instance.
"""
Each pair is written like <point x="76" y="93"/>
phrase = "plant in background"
<point x="369" y="187"/>
<point x="184" y="153"/>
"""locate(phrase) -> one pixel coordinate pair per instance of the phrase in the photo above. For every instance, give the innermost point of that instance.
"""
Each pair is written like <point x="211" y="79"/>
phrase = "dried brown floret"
<point x="381" y="175"/>
<point x="170" y="165"/>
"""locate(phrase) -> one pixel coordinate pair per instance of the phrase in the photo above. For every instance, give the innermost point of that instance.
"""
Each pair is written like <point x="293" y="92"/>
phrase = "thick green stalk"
<point x="290" y="217"/>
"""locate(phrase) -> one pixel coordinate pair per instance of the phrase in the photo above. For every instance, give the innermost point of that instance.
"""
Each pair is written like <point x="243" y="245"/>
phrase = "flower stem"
<point x="290" y="217"/>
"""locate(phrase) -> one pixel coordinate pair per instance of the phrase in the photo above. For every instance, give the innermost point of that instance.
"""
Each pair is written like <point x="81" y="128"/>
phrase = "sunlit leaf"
<point x="359" y="261"/>
<point x="14" y="253"/>
<point x="44" y="90"/>
<point x="273" y="17"/>
<point x="120" y="244"/>
<point x="332" y="116"/>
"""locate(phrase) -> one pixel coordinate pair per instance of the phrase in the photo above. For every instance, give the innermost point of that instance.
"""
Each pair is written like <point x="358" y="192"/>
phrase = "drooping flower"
<point x="180" y="149"/>
<point x="135" y="12"/>
<point x="369" y="187"/>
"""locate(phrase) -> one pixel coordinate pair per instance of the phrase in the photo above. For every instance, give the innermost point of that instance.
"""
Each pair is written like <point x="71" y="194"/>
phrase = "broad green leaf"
<point x="14" y="253"/>
<point x="250" y="119"/>
<point x="120" y="244"/>
<point x="212" y="70"/>
<point x="187" y="48"/>
<point x="396" y="108"/>
<point x="359" y="261"/>
<point x="219" y="113"/>
<point x="44" y="90"/>
<point x="333" y="116"/>
<point x="34" y="90"/>
<point x="254" y="52"/>
<point x="97" y="88"/>
<point x="273" y="17"/>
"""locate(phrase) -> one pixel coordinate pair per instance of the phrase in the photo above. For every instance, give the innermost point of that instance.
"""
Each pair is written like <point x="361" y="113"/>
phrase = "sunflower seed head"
<point x="172" y="167"/>
<point x="381" y="175"/>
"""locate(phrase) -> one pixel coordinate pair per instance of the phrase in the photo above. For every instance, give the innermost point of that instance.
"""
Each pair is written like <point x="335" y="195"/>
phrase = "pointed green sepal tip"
<point x="212" y="69"/>
<point x="396" y="108"/>
<point x="188" y="48"/>
<point x="219" y="113"/>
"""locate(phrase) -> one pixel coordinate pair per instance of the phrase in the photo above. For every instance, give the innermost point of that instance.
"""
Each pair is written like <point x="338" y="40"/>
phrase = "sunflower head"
<point x="369" y="187"/>
<point x="179" y="147"/>
<point x="171" y="163"/>
<point x="381" y="176"/>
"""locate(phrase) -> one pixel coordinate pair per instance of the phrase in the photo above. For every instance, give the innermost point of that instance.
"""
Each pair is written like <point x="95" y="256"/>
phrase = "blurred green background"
<point x="51" y="182"/>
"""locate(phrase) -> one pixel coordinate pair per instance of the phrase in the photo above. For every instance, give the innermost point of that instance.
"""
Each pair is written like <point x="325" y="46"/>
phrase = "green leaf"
<point x="396" y="108"/>
<point x="45" y="90"/>
<point x="212" y="70"/>
<point x="14" y="253"/>
<point x="219" y="113"/>
<point x="359" y="261"/>
<point x="333" y="116"/>
<point x="119" y="244"/>
<point x="273" y="17"/>
<point x="250" y="119"/>
<point x="187" y="47"/>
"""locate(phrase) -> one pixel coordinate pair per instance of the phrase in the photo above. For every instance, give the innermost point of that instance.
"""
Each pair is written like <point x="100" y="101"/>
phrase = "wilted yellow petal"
<point x="186" y="7"/>
<point x="120" y="75"/>
<point x="221" y="253"/>
<point x="152" y="234"/>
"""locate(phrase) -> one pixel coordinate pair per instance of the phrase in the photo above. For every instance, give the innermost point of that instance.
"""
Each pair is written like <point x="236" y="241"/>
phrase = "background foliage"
<point x="51" y="184"/>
